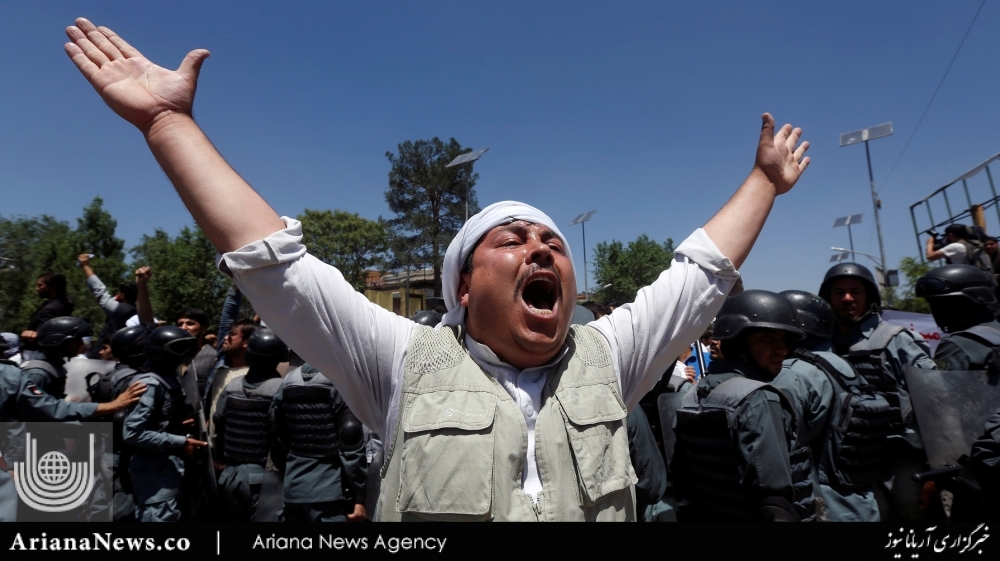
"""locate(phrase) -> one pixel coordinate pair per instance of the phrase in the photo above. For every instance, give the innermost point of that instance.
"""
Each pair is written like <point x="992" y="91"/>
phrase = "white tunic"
<point x="361" y="347"/>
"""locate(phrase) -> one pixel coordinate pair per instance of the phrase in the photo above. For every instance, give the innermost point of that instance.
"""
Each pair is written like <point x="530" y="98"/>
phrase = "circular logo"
<point x="449" y="412"/>
<point x="53" y="467"/>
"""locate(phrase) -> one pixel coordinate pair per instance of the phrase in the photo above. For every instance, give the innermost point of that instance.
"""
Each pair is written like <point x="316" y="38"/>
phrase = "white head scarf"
<point x="463" y="244"/>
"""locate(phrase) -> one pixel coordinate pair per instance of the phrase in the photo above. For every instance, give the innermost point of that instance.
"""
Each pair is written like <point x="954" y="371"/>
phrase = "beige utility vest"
<point x="462" y="442"/>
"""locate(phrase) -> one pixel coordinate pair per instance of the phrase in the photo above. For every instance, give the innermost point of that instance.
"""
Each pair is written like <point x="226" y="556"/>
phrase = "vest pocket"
<point x="446" y="464"/>
<point x="597" y="435"/>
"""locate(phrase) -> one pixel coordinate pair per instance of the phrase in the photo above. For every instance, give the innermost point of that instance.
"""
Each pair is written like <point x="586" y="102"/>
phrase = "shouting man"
<point x="503" y="412"/>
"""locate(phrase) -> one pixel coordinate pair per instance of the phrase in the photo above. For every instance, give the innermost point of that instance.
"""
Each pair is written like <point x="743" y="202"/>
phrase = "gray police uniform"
<point x="154" y="428"/>
<point x="22" y="400"/>
<point x="740" y="452"/>
<point x="123" y="501"/>
<point x="49" y="377"/>
<point x="325" y="469"/>
<point x="250" y="486"/>
<point x="893" y="347"/>
<point x="971" y="349"/>
<point x="815" y="396"/>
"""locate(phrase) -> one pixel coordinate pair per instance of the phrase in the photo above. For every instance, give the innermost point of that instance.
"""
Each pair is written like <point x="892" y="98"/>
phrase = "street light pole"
<point x="865" y="135"/>
<point x="582" y="220"/>
<point x="465" y="159"/>
<point x="878" y="225"/>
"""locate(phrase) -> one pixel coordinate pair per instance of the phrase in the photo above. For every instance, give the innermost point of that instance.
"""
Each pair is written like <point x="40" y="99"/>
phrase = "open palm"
<point x="778" y="156"/>
<point x="136" y="89"/>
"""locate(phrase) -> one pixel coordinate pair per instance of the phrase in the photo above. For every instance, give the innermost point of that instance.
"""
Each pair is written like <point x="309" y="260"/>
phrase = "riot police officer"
<point x="22" y="400"/>
<point x="155" y="428"/>
<point x="729" y="460"/>
<point x="964" y="304"/>
<point x="250" y="485"/>
<point x="880" y="352"/>
<point x="325" y="477"/>
<point x="846" y="421"/>
<point x="58" y="339"/>
<point x="127" y="346"/>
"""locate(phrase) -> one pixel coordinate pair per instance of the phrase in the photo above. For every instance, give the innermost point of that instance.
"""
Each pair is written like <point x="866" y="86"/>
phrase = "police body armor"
<point x="869" y="358"/>
<point x="55" y="377"/>
<point x="173" y="411"/>
<point x="987" y="336"/>
<point x="849" y="454"/>
<point x="707" y="429"/>
<point x="247" y="422"/>
<point x="308" y="417"/>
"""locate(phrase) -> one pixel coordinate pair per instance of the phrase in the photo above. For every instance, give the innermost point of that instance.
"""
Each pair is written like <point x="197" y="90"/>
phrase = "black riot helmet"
<point x="852" y="270"/>
<point x="128" y="344"/>
<point x="170" y="346"/>
<point x="960" y="296"/>
<point x="426" y="317"/>
<point x="758" y="309"/>
<point x="57" y="331"/>
<point x="815" y="314"/>
<point x="265" y="349"/>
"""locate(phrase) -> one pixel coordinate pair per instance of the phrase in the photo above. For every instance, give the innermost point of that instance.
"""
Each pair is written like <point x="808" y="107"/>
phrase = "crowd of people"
<point x="807" y="407"/>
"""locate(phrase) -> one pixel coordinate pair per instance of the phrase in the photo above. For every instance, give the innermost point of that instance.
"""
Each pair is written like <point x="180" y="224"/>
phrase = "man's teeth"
<point x="541" y="311"/>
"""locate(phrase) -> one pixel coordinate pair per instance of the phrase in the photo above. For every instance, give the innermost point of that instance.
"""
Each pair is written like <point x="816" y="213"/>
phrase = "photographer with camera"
<point x="961" y="246"/>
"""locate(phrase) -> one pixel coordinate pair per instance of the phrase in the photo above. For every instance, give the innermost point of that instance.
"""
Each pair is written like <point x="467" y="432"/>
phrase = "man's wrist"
<point x="759" y="180"/>
<point x="164" y="121"/>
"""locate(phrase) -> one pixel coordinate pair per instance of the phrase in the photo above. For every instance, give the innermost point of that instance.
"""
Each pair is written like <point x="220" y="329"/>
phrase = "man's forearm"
<point x="735" y="228"/>
<point x="226" y="208"/>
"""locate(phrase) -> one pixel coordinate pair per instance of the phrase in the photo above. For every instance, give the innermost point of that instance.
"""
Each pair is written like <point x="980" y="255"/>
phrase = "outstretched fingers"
<point x="98" y="39"/>
<point x="793" y="139"/>
<point x="86" y="46"/>
<point x="128" y="51"/>
<point x="781" y="137"/>
<point x="800" y="151"/>
<point x="86" y="66"/>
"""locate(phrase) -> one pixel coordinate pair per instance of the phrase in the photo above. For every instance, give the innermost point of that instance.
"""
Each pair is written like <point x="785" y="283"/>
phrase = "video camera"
<point x="939" y="241"/>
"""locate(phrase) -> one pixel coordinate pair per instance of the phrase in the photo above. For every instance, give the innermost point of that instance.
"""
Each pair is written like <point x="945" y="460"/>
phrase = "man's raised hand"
<point x="136" y="89"/>
<point x="778" y="157"/>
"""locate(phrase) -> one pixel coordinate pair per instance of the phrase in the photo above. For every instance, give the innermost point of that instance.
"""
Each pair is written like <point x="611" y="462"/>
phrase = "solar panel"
<point x="847" y="220"/>
<point x="468" y="157"/>
<point x="582" y="218"/>
<point x="871" y="133"/>
<point x="838" y="257"/>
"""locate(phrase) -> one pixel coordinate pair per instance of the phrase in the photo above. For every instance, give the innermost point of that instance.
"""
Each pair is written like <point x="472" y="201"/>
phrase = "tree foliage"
<point x="347" y="241"/>
<point x="629" y="268"/>
<point x="905" y="299"/>
<point x="429" y="198"/>
<point x="184" y="273"/>
<point x="31" y="246"/>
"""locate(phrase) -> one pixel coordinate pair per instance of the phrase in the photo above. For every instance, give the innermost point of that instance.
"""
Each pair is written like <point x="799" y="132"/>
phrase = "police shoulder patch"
<point x="942" y="365"/>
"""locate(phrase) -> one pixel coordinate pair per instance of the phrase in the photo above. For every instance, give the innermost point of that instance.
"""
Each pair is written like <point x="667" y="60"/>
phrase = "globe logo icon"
<point x="53" y="467"/>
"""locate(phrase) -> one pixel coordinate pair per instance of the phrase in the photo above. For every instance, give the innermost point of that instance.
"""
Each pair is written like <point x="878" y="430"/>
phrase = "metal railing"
<point x="965" y="213"/>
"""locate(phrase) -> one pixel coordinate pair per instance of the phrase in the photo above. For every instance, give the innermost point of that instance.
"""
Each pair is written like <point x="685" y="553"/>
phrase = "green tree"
<point x="95" y="234"/>
<point x="906" y="300"/>
<point x="629" y="268"/>
<point x="428" y="198"/>
<point x="184" y="273"/>
<point x="347" y="241"/>
<point x="32" y="246"/>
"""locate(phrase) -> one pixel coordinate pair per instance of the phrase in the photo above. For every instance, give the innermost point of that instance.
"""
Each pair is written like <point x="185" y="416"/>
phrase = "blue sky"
<point x="646" y="111"/>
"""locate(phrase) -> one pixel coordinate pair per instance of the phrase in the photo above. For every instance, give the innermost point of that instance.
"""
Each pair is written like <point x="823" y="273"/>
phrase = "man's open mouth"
<point x="541" y="293"/>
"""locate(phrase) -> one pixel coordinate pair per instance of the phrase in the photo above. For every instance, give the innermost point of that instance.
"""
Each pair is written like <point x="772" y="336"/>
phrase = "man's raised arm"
<point x="779" y="163"/>
<point x="159" y="103"/>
